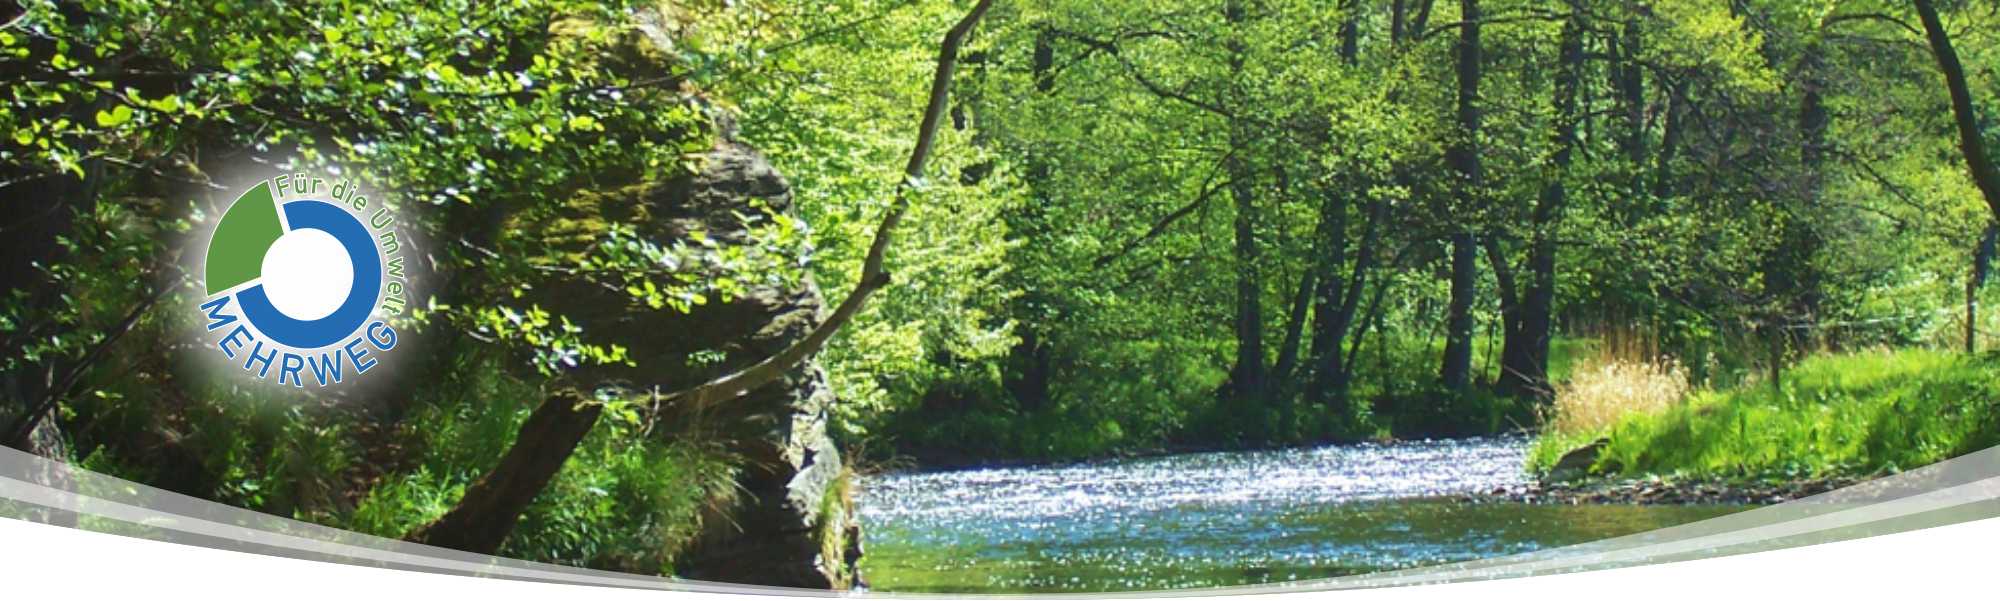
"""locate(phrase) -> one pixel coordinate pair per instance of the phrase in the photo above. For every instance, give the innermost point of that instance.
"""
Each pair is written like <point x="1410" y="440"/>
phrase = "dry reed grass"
<point x="1600" y="393"/>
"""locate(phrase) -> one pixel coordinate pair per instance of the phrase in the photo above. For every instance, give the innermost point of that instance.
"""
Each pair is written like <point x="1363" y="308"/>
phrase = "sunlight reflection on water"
<point x="1221" y="485"/>
<point x="1220" y="518"/>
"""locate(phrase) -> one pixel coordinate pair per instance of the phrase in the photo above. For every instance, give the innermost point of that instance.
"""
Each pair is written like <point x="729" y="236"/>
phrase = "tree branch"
<point x="1209" y="188"/>
<point x="1526" y="16"/>
<point x="1883" y="17"/>
<point x="1984" y="174"/>
<point x="873" y="276"/>
<point x="23" y="426"/>
<point x="1111" y="48"/>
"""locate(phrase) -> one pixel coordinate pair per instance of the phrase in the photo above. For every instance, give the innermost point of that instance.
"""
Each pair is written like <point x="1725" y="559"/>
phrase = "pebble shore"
<point x="1656" y="490"/>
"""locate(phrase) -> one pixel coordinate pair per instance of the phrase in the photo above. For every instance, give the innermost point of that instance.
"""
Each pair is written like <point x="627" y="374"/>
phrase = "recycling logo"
<point x="299" y="282"/>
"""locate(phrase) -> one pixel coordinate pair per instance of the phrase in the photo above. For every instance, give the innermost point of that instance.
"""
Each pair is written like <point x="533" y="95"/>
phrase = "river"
<point x="1218" y="519"/>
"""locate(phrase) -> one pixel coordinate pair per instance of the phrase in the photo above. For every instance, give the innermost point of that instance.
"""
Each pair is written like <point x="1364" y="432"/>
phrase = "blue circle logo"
<point x="297" y="280"/>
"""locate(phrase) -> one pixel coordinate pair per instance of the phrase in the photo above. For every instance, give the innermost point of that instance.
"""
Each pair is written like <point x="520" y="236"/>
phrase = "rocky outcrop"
<point x="791" y="523"/>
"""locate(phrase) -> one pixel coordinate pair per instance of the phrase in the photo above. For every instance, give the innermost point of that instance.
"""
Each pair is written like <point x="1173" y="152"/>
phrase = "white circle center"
<point x="307" y="274"/>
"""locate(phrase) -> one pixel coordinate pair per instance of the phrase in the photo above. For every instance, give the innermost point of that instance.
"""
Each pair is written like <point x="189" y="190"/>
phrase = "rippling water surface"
<point x="1217" y="519"/>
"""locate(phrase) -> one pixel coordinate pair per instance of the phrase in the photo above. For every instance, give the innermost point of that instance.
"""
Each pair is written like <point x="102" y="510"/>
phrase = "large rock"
<point x="44" y="441"/>
<point x="1576" y="462"/>
<point x="791" y="523"/>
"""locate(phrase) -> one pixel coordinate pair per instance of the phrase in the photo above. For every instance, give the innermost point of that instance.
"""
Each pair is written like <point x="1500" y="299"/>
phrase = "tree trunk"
<point x="1399" y="14"/>
<point x="1248" y="380"/>
<point x="1507" y="293"/>
<point x="1985" y="174"/>
<point x="1524" y="356"/>
<point x="1327" y="367"/>
<point x="1045" y="61"/>
<point x="1813" y="121"/>
<point x="1789" y="270"/>
<point x="1295" y="325"/>
<point x="1630" y="82"/>
<point x="1029" y="361"/>
<point x="1332" y="314"/>
<point x="1350" y="30"/>
<point x="1982" y="266"/>
<point x="487" y="512"/>
<point x="47" y="210"/>
<point x="1028" y="377"/>
<point x="1671" y="136"/>
<point x="1463" y="156"/>
<point x="1248" y="377"/>
<point x="1371" y="315"/>
<point x="1286" y="370"/>
<point x="1456" y="371"/>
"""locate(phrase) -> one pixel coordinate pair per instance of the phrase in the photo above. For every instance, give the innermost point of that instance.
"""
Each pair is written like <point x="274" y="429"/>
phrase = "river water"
<point x="1218" y="519"/>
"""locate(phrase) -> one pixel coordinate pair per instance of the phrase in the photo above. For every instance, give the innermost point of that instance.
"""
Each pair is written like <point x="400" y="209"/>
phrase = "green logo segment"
<point x="247" y="229"/>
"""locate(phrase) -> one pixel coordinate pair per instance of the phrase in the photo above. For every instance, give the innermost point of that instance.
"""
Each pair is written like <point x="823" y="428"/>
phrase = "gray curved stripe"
<point x="97" y="502"/>
<point x="1950" y="492"/>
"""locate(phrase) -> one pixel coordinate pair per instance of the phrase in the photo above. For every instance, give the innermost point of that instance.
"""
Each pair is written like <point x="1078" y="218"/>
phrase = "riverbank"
<point x="1834" y="420"/>
<point x="1834" y="415"/>
<point x="1655" y="490"/>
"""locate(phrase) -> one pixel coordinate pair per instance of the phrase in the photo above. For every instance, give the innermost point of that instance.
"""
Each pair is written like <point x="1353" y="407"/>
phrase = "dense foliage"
<point x="1736" y="185"/>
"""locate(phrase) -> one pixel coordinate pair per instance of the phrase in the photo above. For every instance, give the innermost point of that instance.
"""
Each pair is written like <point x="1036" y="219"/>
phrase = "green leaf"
<point x="114" y="117"/>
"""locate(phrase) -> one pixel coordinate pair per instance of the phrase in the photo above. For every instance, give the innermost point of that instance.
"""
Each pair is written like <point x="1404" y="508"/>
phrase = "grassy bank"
<point x="1834" y="415"/>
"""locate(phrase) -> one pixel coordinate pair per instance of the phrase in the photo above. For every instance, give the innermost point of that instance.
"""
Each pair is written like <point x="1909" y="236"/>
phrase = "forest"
<point x="679" y="265"/>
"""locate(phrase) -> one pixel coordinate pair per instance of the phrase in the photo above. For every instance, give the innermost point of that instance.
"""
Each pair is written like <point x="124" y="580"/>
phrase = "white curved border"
<point x="51" y="562"/>
<point x="1959" y="491"/>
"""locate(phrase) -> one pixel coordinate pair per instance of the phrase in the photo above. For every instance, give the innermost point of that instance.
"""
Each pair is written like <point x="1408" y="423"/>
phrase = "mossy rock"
<point x="773" y="533"/>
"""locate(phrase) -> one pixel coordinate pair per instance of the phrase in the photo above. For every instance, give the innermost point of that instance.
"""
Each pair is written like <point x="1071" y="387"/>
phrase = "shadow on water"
<point x="1219" y="519"/>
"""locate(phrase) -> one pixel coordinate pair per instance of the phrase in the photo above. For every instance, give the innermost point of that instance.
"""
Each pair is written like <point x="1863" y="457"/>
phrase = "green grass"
<point x="627" y="500"/>
<point x="1836" y="415"/>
